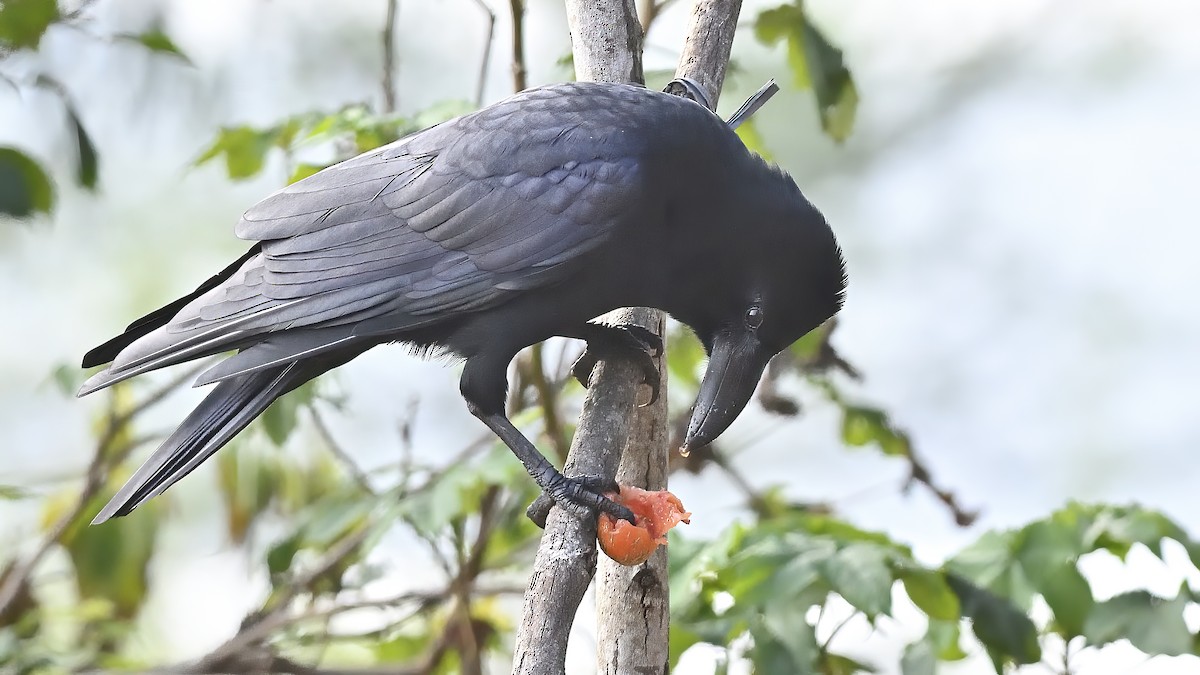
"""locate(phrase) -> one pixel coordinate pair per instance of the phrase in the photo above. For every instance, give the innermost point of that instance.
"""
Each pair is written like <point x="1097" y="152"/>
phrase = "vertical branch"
<point x="607" y="43"/>
<point x="707" y="43"/>
<point x="518" y="44"/>
<point x="606" y="40"/>
<point x="548" y="398"/>
<point x="633" y="603"/>
<point x="486" y="59"/>
<point x="389" y="57"/>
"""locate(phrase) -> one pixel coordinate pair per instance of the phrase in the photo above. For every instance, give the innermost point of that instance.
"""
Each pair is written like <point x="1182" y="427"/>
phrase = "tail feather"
<point x="227" y="410"/>
<point x="222" y="342"/>
<point x="278" y="349"/>
<point x="160" y="317"/>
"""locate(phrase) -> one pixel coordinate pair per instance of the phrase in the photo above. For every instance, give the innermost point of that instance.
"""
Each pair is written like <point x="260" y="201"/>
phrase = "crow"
<point x="488" y="233"/>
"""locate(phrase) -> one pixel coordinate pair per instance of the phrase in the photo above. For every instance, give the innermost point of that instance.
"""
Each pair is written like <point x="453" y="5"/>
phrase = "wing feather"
<point x="455" y="218"/>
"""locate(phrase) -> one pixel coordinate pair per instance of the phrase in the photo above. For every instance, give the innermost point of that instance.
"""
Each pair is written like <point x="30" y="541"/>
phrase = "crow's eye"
<point x="754" y="317"/>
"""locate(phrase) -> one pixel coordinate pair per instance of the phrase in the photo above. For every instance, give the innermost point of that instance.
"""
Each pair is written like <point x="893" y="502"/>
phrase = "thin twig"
<point x="518" y="44"/>
<point x="338" y="451"/>
<point x="486" y="59"/>
<point x="648" y="11"/>
<point x="389" y="57"/>
<point x="276" y="614"/>
<point x="95" y="477"/>
<point x="78" y="11"/>
<point x="548" y="398"/>
<point x="259" y="627"/>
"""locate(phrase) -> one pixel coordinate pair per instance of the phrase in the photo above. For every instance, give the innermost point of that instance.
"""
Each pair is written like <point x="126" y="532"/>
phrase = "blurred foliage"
<point x="815" y="63"/>
<point x="773" y="590"/>
<point x="352" y="130"/>
<point x="762" y="580"/>
<point x="23" y="22"/>
<point x="25" y="185"/>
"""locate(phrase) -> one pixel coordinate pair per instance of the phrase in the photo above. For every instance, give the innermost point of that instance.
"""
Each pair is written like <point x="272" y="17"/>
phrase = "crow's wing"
<point x="450" y="220"/>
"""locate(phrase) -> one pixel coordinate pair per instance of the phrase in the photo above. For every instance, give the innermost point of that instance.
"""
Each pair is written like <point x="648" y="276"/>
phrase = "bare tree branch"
<point x="389" y="57"/>
<point x="486" y="59"/>
<point x="607" y="45"/>
<point x="339" y="452"/>
<point x="518" y="44"/>
<point x="633" y="603"/>
<point x="707" y="42"/>
<point x="548" y="398"/>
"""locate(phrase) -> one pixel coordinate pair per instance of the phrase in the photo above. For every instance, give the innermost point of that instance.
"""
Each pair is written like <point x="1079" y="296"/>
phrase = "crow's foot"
<point x="624" y="340"/>
<point x="582" y="495"/>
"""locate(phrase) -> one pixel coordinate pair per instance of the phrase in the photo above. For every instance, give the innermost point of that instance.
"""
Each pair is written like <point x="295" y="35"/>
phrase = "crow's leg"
<point x="582" y="496"/>
<point x="623" y="340"/>
<point x="483" y="386"/>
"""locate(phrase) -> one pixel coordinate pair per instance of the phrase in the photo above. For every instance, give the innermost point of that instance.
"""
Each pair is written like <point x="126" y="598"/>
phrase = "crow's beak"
<point x="734" y="368"/>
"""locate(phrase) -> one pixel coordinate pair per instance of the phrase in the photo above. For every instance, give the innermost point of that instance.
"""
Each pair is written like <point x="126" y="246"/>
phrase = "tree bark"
<point x="632" y="602"/>
<point x="607" y="46"/>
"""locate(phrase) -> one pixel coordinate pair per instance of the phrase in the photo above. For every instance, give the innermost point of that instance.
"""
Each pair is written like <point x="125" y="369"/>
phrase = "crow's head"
<point x="784" y="278"/>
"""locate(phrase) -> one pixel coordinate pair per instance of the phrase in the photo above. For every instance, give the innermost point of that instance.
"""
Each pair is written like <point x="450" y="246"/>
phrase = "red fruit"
<point x="655" y="512"/>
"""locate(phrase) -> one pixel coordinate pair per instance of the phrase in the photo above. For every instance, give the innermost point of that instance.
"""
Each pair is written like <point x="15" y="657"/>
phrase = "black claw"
<point x="583" y="495"/>
<point x="539" y="510"/>
<point x="628" y="340"/>
<point x="583" y="367"/>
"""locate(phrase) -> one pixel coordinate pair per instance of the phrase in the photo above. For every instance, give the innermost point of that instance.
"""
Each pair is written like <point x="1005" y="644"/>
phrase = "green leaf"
<point x="684" y="356"/>
<point x="861" y="426"/>
<point x="860" y="574"/>
<point x="157" y="41"/>
<point x="943" y="636"/>
<point x="987" y="560"/>
<point x="678" y="642"/>
<point x="250" y="481"/>
<point x="66" y="378"/>
<point x="784" y="642"/>
<point x="279" y="420"/>
<point x="1003" y="628"/>
<point x="14" y="493"/>
<point x="1116" y="529"/>
<point x="836" y="664"/>
<point x="23" y="22"/>
<point x="1048" y="552"/>
<point x="24" y="186"/>
<point x="112" y="562"/>
<point x="303" y="171"/>
<point x="1152" y="624"/>
<point x="1070" y="598"/>
<point x="244" y="148"/>
<point x="808" y="347"/>
<point x="929" y="591"/>
<point x="918" y="659"/>
<point x="403" y="647"/>
<point x="87" y="168"/>
<point x="280" y="556"/>
<point x="815" y="64"/>
<point x="752" y="139"/>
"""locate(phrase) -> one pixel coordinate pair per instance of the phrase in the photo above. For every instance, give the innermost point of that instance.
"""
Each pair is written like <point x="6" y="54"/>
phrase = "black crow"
<point x="491" y="232"/>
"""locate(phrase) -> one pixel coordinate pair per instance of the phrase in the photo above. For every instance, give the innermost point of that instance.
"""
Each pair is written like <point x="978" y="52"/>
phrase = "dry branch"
<point x="632" y="601"/>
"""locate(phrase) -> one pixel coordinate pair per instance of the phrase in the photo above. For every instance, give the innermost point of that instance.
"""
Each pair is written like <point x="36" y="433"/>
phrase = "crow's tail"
<point x="222" y="414"/>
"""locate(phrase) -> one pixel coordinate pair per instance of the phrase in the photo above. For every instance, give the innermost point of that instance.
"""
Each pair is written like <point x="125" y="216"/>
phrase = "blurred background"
<point x="1015" y="202"/>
